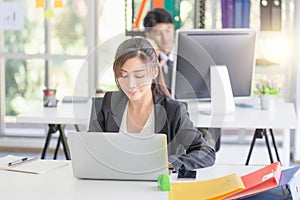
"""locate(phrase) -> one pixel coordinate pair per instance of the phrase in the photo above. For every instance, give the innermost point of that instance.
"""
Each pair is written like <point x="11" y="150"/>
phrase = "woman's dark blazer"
<point x="186" y="144"/>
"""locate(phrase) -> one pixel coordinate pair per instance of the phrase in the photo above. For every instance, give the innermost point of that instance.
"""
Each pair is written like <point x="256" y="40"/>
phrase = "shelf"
<point x="270" y="70"/>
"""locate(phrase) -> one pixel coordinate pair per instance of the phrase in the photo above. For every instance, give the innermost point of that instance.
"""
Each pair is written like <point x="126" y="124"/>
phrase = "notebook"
<point x="75" y="99"/>
<point x="117" y="156"/>
<point x="29" y="165"/>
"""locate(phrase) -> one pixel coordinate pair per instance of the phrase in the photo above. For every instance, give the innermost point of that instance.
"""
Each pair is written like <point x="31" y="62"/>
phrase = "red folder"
<point x="260" y="180"/>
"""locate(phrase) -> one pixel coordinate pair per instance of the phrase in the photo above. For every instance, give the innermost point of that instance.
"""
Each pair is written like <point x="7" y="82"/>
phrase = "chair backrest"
<point x="185" y="104"/>
<point x="96" y="106"/>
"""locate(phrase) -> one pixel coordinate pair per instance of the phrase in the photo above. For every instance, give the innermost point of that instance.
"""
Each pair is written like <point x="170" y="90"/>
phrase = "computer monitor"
<point x="199" y="49"/>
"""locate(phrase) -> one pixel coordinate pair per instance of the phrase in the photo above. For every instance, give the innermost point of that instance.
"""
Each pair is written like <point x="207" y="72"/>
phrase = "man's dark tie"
<point x="168" y="73"/>
<point x="170" y="63"/>
<point x="168" y="66"/>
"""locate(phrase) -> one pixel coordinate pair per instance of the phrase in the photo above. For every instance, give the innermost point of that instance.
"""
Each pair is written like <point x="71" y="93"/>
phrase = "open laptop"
<point x="117" y="156"/>
<point x="75" y="99"/>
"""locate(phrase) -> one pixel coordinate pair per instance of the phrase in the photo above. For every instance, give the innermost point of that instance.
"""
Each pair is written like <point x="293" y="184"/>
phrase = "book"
<point x="265" y="16"/>
<point x="227" y="13"/>
<point x="270" y="15"/>
<point x="216" y="188"/>
<point x="29" y="165"/>
<point x="276" y="15"/>
<point x="260" y="180"/>
<point x="241" y="13"/>
<point x="288" y="188"/>
<point x="246" y="14"/>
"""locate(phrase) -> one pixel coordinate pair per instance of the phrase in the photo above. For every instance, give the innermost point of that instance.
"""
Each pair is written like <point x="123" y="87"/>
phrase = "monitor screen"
<point x="199" y="49"/>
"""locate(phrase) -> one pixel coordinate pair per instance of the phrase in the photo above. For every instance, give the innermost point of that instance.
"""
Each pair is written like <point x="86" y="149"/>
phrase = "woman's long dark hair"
<point x="142" y="49"/>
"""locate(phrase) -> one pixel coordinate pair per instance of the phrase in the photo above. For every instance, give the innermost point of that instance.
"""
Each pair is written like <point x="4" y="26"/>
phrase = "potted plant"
<point x="267" y="91"/>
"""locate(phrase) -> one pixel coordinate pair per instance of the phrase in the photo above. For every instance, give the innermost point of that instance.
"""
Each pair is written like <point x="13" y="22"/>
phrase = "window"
<point x="46" y="53"/>
<point x="111" y="32"/>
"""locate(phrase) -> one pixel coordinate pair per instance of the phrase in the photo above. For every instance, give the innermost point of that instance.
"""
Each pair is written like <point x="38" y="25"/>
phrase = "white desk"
<point x="57" y="118"/>
<point x="64" y="113"/>
<point x="60" y="184"/>
<point x="282" y="117"/>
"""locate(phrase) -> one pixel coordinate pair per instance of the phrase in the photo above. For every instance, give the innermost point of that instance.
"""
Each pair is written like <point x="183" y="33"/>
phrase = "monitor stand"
<point x="222" y="102"/>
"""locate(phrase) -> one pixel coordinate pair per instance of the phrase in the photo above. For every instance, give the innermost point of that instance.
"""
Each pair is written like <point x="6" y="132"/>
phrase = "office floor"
<point x="234" y="149"/>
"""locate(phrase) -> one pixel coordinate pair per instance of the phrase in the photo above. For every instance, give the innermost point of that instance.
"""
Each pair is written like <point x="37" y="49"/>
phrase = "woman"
<point x="143" y="105"/>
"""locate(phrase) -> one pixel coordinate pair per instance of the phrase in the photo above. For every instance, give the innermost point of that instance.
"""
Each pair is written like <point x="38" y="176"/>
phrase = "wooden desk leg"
<point x="52" y="129"/>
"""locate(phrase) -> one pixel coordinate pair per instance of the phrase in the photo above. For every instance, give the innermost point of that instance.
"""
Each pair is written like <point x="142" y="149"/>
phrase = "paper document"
<point x="29" y="165"/>
<point x="216" y="188"/>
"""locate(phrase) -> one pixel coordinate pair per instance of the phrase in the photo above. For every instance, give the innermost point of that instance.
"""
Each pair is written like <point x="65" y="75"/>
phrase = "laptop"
<point x="118" y="156"/>
<point x="75" y="99"/>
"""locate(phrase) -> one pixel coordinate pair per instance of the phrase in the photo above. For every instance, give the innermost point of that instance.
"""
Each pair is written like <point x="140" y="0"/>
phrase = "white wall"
<point x="2" y="89"/>
<point x="297" y="82"/>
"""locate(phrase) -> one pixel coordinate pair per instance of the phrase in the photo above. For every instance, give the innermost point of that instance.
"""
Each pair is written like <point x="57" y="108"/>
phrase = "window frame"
<point x="91" y="34"/>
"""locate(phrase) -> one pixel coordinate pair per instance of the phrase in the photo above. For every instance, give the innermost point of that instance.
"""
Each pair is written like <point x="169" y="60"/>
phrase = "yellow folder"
<point x="216" y="188"/>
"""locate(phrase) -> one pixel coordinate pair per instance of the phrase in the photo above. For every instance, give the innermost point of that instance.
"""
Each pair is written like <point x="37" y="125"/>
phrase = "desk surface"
<point x="61" y="184"/>
<point x="282" y="116"/>
<point x="64" y="113"/>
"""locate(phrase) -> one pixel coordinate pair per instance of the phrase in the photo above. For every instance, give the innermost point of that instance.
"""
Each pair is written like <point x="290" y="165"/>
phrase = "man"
<point x="159" y="27"/>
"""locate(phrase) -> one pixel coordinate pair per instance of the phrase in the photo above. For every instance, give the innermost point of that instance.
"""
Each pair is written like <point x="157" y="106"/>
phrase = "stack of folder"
<point x="269" y="182"/>
<point x="288" y="188"/>
<point x="260" y="180"/>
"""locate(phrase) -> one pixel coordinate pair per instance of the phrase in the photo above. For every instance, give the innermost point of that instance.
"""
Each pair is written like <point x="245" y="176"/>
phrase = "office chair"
<point x="96" y="105"/>
<point x="211" y="135"/>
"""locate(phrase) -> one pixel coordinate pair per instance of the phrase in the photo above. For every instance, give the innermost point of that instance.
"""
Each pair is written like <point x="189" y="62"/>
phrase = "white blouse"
<point x="149" y="125"/>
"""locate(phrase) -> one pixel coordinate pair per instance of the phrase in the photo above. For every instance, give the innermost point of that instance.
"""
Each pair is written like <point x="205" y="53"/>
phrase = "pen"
<point x="22" y="160"/>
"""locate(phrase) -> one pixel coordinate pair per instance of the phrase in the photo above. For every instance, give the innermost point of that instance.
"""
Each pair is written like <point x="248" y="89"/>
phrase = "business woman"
<point x="144" y="105"/>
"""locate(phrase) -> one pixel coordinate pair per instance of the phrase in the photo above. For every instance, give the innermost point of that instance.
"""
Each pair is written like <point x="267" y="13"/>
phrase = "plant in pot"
<point x="268" y="91"/>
